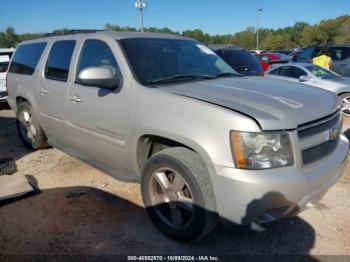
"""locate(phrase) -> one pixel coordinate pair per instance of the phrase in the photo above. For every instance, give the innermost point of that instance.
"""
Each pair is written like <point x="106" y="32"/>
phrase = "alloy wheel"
<point x="171" y="197"/>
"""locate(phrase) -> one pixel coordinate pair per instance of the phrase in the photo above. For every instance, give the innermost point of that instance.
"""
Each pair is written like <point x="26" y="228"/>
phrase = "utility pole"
<point x="140" y="5"/>
<point x="257" y="27"/>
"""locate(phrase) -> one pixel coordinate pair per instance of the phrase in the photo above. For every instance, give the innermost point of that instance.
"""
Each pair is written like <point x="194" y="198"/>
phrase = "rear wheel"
<point x="345" y="104"/>
<point x="29" y="129"/>
<point x="178" y="195"/>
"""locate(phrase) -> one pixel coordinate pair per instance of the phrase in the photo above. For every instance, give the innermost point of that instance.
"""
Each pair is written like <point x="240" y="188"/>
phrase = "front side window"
<point x="321" y="72"/>
<point x="96" y="53"/>
<point x="58" y="63"/>
<point x="154" y="60"/>
<point x="26" y="58"/>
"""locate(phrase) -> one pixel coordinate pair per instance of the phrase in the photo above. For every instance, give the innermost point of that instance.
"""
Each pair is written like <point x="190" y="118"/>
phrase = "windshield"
<point x="154" y="60"/>
<point x="321" y="72"/>
<point x="240" y="60"/>
<point x="281" y="56"/>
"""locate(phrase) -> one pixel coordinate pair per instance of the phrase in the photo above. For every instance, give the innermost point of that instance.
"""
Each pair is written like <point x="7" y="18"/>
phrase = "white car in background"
<point x="316" y="76"/>
<point x="5" y="57"/>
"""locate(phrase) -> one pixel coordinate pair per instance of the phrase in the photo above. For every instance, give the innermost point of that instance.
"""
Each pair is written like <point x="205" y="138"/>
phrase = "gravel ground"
<point x="83" y="211"/>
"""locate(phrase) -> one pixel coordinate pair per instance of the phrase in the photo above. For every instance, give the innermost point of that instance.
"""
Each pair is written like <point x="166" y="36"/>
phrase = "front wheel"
<point x="178" y="196"/>
<point x="29" y="129"/>
<point x="345" y="104"/>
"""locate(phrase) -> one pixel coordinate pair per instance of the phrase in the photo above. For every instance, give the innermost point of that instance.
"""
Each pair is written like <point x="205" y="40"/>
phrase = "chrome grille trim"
<point x="314" y="138"/>
<point x="318" y="126"/>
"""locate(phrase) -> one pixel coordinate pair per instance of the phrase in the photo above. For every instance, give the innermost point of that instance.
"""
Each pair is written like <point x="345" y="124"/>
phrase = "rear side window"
<point x="58" y="63"/>
<point x="275" y="71"/>
<point x="292" y="71"/>
<point x="26" y="58"/>
<point x="96" y="53"/>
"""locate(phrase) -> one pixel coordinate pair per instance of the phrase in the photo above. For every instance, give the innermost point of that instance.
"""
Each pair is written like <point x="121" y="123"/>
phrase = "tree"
<point x="301" y="34"/>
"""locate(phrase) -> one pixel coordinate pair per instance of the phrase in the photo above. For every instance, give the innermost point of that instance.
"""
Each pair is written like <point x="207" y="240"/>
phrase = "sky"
<point x="211" y="16"/>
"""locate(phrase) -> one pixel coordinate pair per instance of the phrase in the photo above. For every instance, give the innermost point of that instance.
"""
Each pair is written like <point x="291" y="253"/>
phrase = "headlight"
<point x="261" y="150"/>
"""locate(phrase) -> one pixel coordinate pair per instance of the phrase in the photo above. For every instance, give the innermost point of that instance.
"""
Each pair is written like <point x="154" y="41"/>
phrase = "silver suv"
<point x="204" y="142"/>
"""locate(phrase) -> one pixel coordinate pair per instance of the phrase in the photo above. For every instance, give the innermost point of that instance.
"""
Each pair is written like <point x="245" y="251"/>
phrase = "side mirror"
<point x="303" y="78"/>
<point x="99" y="77"/>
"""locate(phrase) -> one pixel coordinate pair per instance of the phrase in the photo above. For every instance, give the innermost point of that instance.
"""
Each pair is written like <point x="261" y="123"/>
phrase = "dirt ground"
<point x="108" y="216"/>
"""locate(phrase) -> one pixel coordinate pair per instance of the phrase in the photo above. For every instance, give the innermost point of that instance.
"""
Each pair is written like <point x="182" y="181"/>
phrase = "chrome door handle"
<point x="76" y="99"/>
<point x="43" y="91"/>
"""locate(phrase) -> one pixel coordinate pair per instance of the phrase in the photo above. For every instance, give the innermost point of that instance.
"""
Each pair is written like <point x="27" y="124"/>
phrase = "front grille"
<point x="317" y="152"/>
<point x="318" y="126"/>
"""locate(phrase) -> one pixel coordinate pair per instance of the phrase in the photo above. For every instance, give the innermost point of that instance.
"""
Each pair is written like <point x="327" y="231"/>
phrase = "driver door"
<point x="99" y="117"/>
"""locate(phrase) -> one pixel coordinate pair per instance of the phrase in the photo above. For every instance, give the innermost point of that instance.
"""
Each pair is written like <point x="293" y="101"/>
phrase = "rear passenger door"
<point x="53" y="90"/>
<point x="99" y="117"/>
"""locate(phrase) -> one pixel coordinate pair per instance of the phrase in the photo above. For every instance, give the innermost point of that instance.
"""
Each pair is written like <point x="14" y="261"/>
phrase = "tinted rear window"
<point x="26" y="58"/>
<point x="57" y="67"/>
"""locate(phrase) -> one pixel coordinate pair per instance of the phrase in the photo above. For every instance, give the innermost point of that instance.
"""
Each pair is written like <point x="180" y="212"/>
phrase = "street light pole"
<point x="257" y="27"/>
<point x="140" y="5"/>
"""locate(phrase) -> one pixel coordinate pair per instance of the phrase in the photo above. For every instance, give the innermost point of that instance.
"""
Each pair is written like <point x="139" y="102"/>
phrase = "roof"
<point x="112" y="34"/>
<point x="303" y="64"/>
<point x="331" y="45"/>
<point x="227" y="47"/>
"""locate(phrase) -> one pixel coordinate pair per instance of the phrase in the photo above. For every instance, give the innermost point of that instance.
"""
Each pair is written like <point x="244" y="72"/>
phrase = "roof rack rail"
<point x="68" y="32"/>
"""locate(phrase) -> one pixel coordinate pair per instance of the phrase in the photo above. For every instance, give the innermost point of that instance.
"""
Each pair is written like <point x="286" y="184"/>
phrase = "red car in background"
<point x="266" y="59"/>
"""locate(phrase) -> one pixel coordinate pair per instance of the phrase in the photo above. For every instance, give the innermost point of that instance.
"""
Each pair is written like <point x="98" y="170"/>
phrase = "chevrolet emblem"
<point x="333" y="134"/>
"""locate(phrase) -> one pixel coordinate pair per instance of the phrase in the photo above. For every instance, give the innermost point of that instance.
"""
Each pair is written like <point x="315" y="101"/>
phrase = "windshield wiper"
<point x="228" y="74"/>
<point x="175" y="78"/>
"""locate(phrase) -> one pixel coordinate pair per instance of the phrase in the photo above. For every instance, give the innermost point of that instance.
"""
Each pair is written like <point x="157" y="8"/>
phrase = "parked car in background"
<point x="239" y="59"/>
<point x="267" y="59"/>
<point x="256" y="51"/>
<point x="317" y="76"/>
<point x="294" y="55"/>
<point x="340" y="55"/>
<point x="5" y="57"/>
<point x="166" y="111"/>
<point x="285" y="52"/>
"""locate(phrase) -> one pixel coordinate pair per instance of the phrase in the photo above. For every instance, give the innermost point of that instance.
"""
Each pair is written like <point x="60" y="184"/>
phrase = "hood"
<point x="338" y="82"/>
<point x="274" y="104"/>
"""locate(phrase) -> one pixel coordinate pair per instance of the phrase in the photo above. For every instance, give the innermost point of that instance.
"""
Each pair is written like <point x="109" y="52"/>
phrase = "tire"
<point x="344" y="100"/>
<point x="7" y="166"/>
<point x="193" y="198"/>
<point x="29" y="129"/>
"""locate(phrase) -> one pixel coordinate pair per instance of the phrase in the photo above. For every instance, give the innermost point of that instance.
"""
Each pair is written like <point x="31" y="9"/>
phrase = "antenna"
<point x="140" y="4"/>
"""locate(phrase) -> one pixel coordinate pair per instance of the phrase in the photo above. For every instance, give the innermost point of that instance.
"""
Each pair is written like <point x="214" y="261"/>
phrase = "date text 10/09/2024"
<point x="173" y="258"/>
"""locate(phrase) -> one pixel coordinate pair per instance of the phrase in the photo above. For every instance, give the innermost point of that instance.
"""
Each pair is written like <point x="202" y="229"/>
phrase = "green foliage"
<point x="300" y="35"/>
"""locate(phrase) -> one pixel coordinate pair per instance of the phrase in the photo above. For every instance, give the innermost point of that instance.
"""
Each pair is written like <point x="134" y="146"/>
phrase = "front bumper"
<point x="262" y="196"/>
